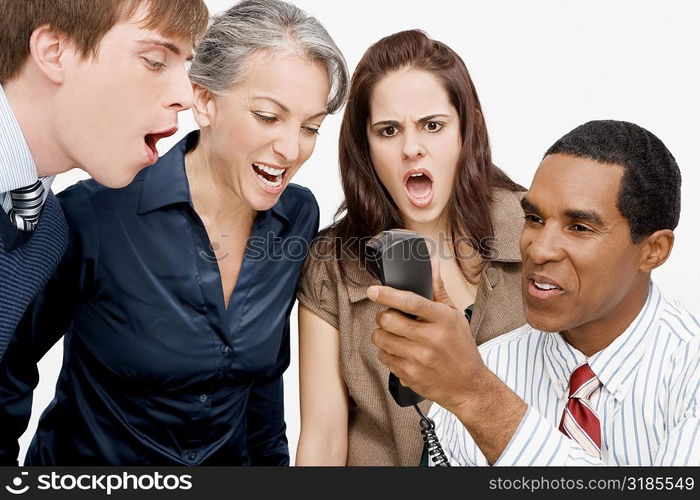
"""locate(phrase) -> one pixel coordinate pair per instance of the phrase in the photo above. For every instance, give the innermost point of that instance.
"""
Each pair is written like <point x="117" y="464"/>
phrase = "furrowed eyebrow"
<point x="584" y="215"/>
<point x="430" y="118"/>
<point x="425" y="119"/>
<point x="386" y="123"/>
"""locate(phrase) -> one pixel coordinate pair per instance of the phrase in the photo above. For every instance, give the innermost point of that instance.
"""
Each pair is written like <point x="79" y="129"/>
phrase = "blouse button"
<point x="203" y="398"/>
<point x="225" y="349"/>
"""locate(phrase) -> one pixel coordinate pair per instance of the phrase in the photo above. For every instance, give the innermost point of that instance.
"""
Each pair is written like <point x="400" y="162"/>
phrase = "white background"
<point x="540" y="68"/>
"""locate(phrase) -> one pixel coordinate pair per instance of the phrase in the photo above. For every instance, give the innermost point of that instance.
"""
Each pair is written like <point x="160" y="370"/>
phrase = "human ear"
<point x="203" y="106"/>
<point x="655" y="249"/>
<point x="47" y="46"/>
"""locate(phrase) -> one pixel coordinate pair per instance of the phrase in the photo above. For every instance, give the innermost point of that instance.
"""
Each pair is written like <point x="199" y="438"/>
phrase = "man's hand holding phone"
<point x="436" y="356"/>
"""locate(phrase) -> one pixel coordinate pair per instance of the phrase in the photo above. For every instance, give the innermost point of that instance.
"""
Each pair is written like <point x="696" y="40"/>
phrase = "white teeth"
<point x="416" y="175"/>
<point x="269" y="170"/>
<point x="276" y="183"/>
<point x="545" y="286"/>
<point x="276" y="172"/>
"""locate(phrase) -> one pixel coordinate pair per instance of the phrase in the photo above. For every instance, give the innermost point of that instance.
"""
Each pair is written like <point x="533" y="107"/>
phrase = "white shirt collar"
<point x="17" y="167"/>
<point x="613" y="365"/>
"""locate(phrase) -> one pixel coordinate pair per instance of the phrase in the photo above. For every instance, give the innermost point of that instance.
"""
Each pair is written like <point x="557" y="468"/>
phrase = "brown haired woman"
<point x="414" y="154"/>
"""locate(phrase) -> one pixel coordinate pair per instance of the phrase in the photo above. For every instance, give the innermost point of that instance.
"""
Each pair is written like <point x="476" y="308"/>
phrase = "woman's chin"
<point x="260" y="205"/>
<point x="261" y="201"/>
<point x="428" y="215"/>
<point x="261" y="196"/>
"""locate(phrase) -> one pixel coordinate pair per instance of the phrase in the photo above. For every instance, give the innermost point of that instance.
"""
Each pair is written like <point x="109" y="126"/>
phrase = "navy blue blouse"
<point x="157" y="371"/>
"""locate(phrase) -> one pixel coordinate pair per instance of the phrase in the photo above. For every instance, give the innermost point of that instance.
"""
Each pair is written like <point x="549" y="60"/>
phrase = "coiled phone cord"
<point x="435" y="451"/>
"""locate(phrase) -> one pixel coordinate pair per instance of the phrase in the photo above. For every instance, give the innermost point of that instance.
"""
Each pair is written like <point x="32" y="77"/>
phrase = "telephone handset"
<point x="400" y="259"/>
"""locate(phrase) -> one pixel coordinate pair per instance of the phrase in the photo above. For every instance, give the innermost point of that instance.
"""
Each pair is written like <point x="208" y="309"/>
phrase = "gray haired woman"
<point x="177" y="289"/>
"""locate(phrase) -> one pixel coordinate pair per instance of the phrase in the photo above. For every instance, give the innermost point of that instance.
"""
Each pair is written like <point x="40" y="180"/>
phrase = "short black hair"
<point x="650" y="191"/>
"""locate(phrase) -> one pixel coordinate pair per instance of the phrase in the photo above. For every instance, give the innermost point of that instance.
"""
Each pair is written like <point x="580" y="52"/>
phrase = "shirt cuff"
<point x="535" y="442"/>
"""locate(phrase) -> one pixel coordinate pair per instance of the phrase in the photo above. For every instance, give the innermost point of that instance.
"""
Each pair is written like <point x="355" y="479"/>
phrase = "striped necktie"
<point x="26" y="206"/>
<point x="579" y="421"/>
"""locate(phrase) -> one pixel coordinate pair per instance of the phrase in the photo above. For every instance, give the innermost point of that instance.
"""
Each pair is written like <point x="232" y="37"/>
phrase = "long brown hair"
<point x="368" y="207"/>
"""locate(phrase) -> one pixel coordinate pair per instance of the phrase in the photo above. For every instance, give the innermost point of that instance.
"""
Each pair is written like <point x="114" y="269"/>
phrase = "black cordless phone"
<point x="400" y="259"/>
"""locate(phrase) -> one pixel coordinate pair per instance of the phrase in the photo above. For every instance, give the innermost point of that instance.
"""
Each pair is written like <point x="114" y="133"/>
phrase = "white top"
<point x="649" y="402"/>
<point x="17" y="168"/>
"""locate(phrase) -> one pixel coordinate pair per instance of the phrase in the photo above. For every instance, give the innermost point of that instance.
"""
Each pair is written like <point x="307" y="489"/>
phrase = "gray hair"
<point x="254" y="25"/>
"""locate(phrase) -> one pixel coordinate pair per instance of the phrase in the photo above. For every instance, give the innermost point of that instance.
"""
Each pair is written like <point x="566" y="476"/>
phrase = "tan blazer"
<point x="380" y="432"/>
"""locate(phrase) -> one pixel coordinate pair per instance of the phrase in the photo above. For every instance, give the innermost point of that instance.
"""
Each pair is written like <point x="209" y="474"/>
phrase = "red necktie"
<point x="579" y="421"/>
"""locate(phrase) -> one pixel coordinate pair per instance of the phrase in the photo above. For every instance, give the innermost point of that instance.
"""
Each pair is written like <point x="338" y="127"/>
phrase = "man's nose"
<point x="179" y="94"/>
<point x="546" y="245"/>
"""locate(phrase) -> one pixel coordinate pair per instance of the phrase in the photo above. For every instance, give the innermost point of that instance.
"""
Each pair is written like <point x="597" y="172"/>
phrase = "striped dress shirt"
<point x="648" y="404"/>
<point x="17" y="168"/>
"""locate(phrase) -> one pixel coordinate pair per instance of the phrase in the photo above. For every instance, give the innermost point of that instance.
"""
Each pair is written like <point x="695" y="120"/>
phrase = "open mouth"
<point x="152" y="139"/>
<point x="543" y="288"/>
<point x="269" y="176"/>
<point x="419" y="187"/>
